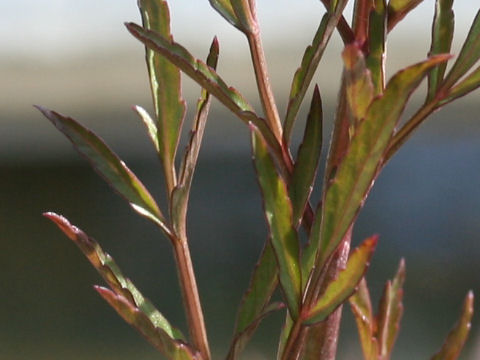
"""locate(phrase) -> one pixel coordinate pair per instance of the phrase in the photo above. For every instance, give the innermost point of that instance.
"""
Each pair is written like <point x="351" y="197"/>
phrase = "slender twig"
<point x="191" y="299"/>
<point x="263" y="81"/>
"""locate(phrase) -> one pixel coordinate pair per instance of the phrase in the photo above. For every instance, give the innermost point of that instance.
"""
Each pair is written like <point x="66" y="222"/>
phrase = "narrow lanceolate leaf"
<point x="149" y="125"/>
<point x="278" y="213"/>
<point x="172" y="349"/>
<point x="355" y="174"/>
<point x="377" y="36"/>
<point x="362" y="310"/>
<point x="165" y="84"/>
<point x="468" y="56"/>
<point x="442" y="36"/>
<point x="254" y="303"/>
<point x="359" y="86"/>
<point x="458" y="335"/>
<point x="398" y="9"/>
<point x="242" y="338"/>
<point x="180" y="195"/>
<point x="464" y="87"/>
<point x="113" y="276"/>
<point x="339" y="290"/>
<point x="196" y="69"/>
<point x="108" y="165"/>
<point x="303" y="177"/>
<point x="224" y="8"/>
<point x="304" y="74"/>
<point x="207" y="78"/>
<point x="390" y="313"/>
<point x="286" y="328"/>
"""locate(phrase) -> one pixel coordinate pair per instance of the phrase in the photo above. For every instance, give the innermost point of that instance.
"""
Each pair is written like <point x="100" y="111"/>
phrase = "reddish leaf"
<point x="172" y="349"/>
<point x="339" y="290"/>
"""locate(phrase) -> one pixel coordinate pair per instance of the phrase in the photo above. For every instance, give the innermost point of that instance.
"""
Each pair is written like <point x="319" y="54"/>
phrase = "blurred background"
<point x="76" y="57"/>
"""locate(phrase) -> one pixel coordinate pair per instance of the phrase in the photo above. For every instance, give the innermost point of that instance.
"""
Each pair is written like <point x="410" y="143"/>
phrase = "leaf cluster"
<point x="315" y="278"/>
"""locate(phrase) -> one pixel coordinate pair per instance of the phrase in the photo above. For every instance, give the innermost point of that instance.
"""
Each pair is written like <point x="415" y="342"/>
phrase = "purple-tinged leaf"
<point x="181" y="192"/>
<point x="313" y="54"/>
<point x="390" y="313"/>
<point x="320" y="341"/>
<point x="340" y="289"/>
<point x="458" y="335"/>
<point x="468" y="56"/>
<point x="113" y="276"/>
<point x="398" y="9"/>
<point x="172" y="349"/>
<point x="362" y="310"/>
<point x="377" y="36"/>
<point x="207" y="78"/>
<point x="442" y="36"/>
<point x="109" y="166"/>
<point x="224" y="8"/>
<point x="359" y="86"/>
<point x="353" y="179"/>
<point x="165" y="84"/>
<point x="278" y="213"/>
<point x="196" y="69"/>
<point x="303" y="176"/>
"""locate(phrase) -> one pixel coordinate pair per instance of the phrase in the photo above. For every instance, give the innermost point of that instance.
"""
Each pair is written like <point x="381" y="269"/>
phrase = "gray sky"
<point x="51" y="29"/>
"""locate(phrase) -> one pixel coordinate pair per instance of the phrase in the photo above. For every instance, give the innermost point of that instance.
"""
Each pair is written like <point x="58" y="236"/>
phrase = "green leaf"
<point x="278" y="213"/>
<point x="353" y="179"/>
<point x="196" y="69"/>
<point x="224" y="8"/>
<point x="377" y="35"/>
<point x="172" y="349"/>
<point x="442" y="36"/>
<point x="359" y="86"/>
<point x="390" y="313"/>
<point x="468" y="56"/>
<point x="458" y="335"/>
<point x="398" y="9"/>
<point x="254" y="306"/>
<point x="303" y="176"/>
<point x="109" y="166"/>
<point x="464" y="87"/>
<point x="113" y="276"/>
<point x="339" y="290"/>
<point x="304" y="74"/>
<point x="241" y="339"/>
<point x="362" y="310"/>
<point x="207" y="78"/>
<point x="165" y="84"/>
<point x="262" y="285"/>
<point x="181" y="193"/>
<point x="286" y="328"/>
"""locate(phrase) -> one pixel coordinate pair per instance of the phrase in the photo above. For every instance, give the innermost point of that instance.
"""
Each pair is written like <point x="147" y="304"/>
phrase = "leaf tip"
<point x="63" y="224"/>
